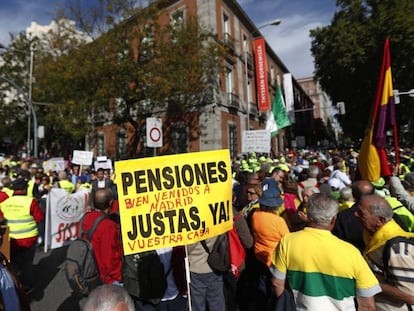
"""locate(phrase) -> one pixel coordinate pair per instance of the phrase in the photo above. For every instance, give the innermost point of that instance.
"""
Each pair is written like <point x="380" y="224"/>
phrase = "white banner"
<point x="64" y="211"/>
<point x="106" y="165"/>
<point x="154" y="132"/>
<point x="257" y="141"/>
<point x="54" y="165"/>
<point x="82" y="157"/>
<point x="289" y="99"/>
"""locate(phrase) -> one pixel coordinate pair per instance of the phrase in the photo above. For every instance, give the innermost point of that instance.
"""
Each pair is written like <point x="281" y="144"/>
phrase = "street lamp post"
<point x="274" y="22"/>
<point x="29" y="102"/>
<point x="397" y="94"/>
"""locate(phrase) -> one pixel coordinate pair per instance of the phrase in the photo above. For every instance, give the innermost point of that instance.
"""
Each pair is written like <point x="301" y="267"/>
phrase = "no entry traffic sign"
<point x="154" y="132"/>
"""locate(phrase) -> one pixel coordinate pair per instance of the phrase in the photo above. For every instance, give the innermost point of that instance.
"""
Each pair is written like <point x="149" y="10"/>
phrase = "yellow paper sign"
<point x="174" y="200"/>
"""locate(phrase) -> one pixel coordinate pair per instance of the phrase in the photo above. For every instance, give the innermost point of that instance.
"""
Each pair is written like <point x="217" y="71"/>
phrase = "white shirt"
<point x="339" y="180"/>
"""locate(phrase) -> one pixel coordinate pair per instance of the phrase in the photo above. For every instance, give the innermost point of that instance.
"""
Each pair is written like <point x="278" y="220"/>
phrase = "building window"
<point x="179" y="138"/>
<point x="146" y="45"/>
<point x="229" y="80"/>
<point x="176" y="22"/>
<point x="233" y="140"/>
<point x="226" y="24"/>
<point x="101" y="144"/>
<point x="245" y="44"/>
<point x="177" y="18"/>
<point x="249" y="91"/>
<point x="121" y="144"/>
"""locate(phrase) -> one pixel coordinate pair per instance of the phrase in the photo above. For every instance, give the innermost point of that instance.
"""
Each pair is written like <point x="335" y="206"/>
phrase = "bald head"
<point x="103" y="198"/>
<point x="361" y="188"/>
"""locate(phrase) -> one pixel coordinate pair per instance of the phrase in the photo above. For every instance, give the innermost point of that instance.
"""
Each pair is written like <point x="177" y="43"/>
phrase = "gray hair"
<point x="311" y="190"/>
<point x="379" y="206"/>
<point x="313" y="171"/>
<point x="345" y="194"/>
<point x="107" y="297"/>
<point x="62" y="175"/>
<point x="321" y="208"/>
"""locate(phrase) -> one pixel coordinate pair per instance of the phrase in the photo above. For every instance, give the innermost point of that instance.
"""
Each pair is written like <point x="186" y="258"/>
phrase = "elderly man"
<point x="323" y="271"/>
<point x="376" y="214"/>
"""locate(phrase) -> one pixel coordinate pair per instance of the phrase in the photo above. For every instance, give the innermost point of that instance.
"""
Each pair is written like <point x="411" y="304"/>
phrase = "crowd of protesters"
<point x="308" y="224"/>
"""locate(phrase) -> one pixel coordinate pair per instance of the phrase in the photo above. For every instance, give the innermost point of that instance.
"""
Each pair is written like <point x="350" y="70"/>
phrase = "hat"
<point x="283" y="167"/>
<point x="379" y="183"/>
<point x="19" y="184"/>
<point x="271" y="194"/>
<point x="34" y="165"/>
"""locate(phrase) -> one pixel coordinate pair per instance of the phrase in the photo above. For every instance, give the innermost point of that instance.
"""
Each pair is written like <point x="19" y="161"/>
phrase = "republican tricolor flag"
<point x="372" y="162"/>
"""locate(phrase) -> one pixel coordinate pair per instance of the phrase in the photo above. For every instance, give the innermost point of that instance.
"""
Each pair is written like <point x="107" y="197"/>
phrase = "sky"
<point x="290" y="40"/>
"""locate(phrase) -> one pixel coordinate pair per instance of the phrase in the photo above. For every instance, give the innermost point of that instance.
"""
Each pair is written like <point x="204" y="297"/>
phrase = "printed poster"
<point x="173" y="200"/>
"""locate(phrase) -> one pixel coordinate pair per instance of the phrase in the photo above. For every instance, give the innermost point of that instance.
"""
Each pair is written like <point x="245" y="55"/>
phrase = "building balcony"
<point x="233" y="101"/>
<point x="228" y="41"/>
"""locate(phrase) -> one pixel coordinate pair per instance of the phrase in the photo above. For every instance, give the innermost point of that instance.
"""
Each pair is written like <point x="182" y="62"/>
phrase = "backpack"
<point x="398" y="263"/>
<point x="219" y="256"/>
<point x="144" y="277"/>
<point x="228" y="253"/>
<point x="80" y="265"/>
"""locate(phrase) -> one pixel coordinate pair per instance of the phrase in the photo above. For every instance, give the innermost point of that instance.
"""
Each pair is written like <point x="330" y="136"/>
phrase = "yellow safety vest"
<point x="8" y="191"/>
<point x="16" y="210"/>
<point x="344" y="167"/>
<point x="30" y="186"/>
<point x="404" y="213"/>
<point x="404" y="170"/>
<point x="67" y="186"/>
<point x="85" y="186"/>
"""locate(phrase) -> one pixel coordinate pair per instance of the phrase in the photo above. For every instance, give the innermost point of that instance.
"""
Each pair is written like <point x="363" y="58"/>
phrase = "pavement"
<point x="51" y="290"/>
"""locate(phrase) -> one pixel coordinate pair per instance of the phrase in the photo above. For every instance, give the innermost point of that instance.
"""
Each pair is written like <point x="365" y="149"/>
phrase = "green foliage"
<point x="348" y="55"/>
<point x="15" y="64"/>
<point x="110" y="73"/>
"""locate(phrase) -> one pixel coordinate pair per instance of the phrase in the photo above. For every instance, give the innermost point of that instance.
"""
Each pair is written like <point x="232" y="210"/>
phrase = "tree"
<point x="13" y="106"/>
<point x="132" y="60"/>
<point x="55" y="40"/>
<point x="348" y="56"/>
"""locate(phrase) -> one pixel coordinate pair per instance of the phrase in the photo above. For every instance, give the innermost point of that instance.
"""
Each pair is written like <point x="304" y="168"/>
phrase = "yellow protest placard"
<point x="174" y="200"/>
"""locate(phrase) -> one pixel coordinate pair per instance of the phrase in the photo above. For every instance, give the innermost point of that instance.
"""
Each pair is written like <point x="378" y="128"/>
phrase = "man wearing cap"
<point x="268" y="227"/>
<point x="23" y="214"/>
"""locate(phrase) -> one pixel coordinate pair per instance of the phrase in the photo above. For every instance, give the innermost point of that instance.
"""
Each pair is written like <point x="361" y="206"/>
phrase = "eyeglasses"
<point x="251" y="193"/>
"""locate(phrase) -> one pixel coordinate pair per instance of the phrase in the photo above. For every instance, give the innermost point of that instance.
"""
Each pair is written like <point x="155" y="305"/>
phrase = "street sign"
<point x="154" y="132"/>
